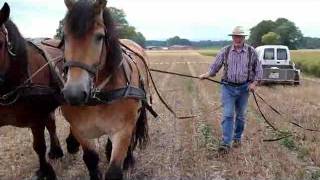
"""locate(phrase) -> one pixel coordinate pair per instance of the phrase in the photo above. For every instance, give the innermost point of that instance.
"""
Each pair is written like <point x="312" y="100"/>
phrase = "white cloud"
<point x="161" y="19"/>
<point x="190" y="18"/>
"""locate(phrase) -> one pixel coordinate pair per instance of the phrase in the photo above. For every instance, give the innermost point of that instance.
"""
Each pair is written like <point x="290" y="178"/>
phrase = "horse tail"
<point x="141" y="135"/>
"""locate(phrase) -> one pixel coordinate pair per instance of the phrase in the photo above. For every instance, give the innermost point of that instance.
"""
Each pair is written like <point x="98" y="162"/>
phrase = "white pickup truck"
<point x="277" y="65"/>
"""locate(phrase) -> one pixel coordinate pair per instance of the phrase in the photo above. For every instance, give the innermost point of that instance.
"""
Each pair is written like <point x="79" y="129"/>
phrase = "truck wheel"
<point x="296" y="79"/>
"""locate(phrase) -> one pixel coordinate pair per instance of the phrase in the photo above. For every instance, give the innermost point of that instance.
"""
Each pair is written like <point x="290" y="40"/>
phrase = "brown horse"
<point x="101" y="69"/>
<point x="27" y="103"/>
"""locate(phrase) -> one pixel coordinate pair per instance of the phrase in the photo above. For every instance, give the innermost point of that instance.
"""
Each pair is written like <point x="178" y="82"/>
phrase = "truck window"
<point x="282" y="54"/>
<point x="268" y="54"/>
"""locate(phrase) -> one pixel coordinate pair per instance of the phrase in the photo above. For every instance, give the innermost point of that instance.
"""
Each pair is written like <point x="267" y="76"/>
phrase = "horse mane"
<point x="80" y="20"/>
<point x="19" y="63"/>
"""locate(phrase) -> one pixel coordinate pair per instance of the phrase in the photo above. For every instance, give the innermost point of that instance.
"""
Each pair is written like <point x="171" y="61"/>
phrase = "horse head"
<point x="85" y="47"/>
<point x="4" y="43"/>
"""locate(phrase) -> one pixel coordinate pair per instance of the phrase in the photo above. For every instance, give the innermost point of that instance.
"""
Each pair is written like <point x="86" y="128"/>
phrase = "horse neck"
<point x="18" y="64"/>
<point x="15" y="75"/>
<point x="18" y="69"/>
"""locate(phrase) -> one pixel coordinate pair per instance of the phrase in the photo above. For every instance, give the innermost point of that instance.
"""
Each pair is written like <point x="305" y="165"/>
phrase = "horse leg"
<point x="39" y="145"/>
<point x="55" y="148"/>
<point x="129" y="161"/>
<point x="120" y="144"/>
<point x="72" y="144"/>
<point x="90" y="157"/>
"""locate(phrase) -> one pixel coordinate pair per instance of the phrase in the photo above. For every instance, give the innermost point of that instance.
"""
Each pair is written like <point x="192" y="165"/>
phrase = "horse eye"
<point x="99" y="37"/>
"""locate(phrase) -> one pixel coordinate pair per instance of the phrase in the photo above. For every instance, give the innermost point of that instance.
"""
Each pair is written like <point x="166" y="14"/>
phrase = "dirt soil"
<point x="186" y="148"/>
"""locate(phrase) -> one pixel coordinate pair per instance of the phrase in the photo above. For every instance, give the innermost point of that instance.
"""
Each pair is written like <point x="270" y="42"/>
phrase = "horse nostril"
<point x="85" y="96"/>
<point x="75" y="95"/>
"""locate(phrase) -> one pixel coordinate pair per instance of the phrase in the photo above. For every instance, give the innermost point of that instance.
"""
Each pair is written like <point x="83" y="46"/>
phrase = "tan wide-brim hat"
<point x="238" y="31"/>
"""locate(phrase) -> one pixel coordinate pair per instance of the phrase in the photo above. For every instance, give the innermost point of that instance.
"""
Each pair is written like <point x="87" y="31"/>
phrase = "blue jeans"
<point x="234" y="101"/>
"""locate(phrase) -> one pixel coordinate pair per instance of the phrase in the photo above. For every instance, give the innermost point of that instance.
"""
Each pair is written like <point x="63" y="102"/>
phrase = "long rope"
<point x="218" y="82"/>
<point x="255" y="98"/>
<point x="272" y="126"/>
<point x="184" y="75"/>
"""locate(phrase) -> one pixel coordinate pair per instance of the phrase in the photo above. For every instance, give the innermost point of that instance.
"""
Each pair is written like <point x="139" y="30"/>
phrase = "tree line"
<point x="176" y="40"/>
<point x="281" y="31"/>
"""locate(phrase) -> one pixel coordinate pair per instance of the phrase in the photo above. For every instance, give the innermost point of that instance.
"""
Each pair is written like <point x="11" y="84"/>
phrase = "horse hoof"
<point x="72" y="145"/>
<point x="114" y="173"/>
<point x="55" y="153"/>
<point x="72" y="149"/>
<point x="48" y="174"/>
<point x="95" y="175"/>
<point x="129" y="161"/>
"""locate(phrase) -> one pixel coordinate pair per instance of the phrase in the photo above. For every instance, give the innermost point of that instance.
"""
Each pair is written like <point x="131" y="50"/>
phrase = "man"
<point x="242" y="70"/>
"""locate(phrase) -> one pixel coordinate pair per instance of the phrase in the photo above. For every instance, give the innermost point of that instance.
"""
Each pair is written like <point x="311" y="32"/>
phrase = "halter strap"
<point x="91" y="69"/>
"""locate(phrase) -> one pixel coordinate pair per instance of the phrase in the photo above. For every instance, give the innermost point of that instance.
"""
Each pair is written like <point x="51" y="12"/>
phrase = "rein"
<point x="255" y="95"/>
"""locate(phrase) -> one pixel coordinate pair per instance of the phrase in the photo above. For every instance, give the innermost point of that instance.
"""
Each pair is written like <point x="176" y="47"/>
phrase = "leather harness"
<point x="98" y="96"/>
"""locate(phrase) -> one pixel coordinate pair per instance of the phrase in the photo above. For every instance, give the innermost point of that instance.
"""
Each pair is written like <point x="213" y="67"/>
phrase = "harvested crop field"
<point x="186" y="148"/>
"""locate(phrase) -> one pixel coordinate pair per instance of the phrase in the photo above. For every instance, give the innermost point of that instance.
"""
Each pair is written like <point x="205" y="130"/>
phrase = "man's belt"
<point x="234" y="84"/>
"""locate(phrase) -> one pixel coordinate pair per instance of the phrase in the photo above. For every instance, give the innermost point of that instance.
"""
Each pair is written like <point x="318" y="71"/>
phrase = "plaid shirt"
<point x="237" y="65"/>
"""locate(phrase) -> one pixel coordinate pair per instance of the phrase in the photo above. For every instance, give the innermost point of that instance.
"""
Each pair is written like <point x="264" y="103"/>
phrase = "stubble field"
<point x="186" y="148"/>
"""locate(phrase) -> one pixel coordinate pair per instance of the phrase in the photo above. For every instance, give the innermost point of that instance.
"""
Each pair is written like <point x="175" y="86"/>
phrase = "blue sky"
<point x="162" y="19"/>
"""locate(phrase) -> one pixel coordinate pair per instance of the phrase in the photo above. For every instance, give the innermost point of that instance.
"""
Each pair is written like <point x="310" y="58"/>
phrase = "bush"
<point x="288" y="143"/>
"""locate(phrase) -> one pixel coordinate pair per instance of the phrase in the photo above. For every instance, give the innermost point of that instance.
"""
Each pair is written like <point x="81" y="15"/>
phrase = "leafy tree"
<point x="176" y="40"/>
<point x="59" y="31"/>
<point x="290" y="35"/>
<point x="270" y="38"/>
<point x="118" y="16"/>
<point x="310" y="43"/>
<point x="140" y="39"/>
<point x="259" y="30"/>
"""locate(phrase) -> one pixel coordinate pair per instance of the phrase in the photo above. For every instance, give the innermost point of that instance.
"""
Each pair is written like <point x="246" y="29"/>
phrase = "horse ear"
<point x="4" y="13"/>
<point x="69" y="3"/>
<point x="100" y="5"/>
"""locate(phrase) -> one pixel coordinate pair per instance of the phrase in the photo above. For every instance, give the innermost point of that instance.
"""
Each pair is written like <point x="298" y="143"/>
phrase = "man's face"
<point x="238" y="40"/>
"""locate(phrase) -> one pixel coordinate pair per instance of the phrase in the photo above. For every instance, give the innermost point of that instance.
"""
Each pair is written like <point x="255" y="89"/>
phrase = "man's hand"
<point x="204" y="76"/>
<point x="253" y="86"/>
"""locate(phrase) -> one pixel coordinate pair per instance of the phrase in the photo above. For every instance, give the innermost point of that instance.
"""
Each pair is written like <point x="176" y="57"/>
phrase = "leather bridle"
<point x="7" y="46"/>
<point x="4" y="32"/>
<point x="91" y="69"/>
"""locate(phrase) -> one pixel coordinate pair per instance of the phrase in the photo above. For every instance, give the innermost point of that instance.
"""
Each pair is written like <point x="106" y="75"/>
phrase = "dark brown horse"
<point x="102" y="69"/>
<point x="27" y="102"/>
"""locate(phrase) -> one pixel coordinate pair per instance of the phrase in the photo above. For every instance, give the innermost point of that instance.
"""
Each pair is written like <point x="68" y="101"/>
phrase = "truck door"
<point x="282" y="56"/>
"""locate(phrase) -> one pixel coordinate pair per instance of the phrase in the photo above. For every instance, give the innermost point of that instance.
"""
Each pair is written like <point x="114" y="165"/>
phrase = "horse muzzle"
<point x="76" y="93"/>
